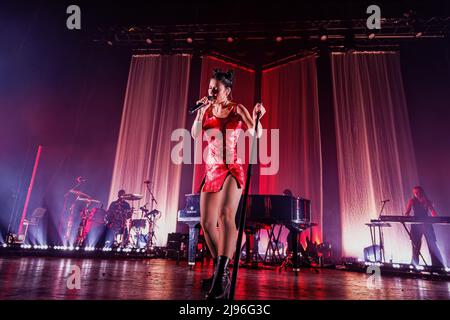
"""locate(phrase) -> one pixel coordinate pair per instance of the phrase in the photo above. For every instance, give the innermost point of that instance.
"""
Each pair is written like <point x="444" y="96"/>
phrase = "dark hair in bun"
<point x="225" y="77"/>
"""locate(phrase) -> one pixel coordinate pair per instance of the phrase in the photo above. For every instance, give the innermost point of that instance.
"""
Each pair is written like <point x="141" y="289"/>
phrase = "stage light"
<point x="279" y="39"/>
<point x="396" y="266"/>
<point x="420" y="268"/>
<point x="148" y="41"/>
<point x="447" y="269"/>
<point x="411" y="266"/>
<point x="189" y="40"/>
<point x="4" y="245"/>
<point x="109" y="42"/>
<point x="419" y="34"/>
<point x="230" y="39"/>
<point x="71" y="248"/>
<point x="371" y="36"/>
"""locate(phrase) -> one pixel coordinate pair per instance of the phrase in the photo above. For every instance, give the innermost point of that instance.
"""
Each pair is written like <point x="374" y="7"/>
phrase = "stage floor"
<point x="159" y="279"/>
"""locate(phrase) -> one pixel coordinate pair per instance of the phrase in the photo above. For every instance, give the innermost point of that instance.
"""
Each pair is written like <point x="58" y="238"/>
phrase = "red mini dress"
<point x="222" y="158"/>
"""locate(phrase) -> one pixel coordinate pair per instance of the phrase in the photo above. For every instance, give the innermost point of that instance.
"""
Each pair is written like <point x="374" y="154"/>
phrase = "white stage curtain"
<point x="375" y="154"/>
<point x="290" y="94"/>
<point x="155" y="105"/>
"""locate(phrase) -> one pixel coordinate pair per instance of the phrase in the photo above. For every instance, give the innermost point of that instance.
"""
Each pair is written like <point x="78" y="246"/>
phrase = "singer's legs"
<point x="227" y="217"/>
<point x="209" y="215"/>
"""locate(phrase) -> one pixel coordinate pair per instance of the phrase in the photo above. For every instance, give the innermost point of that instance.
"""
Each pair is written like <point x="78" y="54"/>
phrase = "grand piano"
<point x="292" y="212"/>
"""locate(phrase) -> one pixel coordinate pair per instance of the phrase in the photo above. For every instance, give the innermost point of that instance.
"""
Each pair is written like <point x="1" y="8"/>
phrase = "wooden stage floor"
<point x="159" y="279"/>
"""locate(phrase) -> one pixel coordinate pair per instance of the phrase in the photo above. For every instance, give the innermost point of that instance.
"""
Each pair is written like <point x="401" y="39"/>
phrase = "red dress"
<point x="217" y="168"/>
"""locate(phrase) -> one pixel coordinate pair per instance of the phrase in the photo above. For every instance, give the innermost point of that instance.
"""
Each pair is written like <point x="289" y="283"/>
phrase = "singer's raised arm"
<point x="197" y="125"/>
<point x="250" y="120"/>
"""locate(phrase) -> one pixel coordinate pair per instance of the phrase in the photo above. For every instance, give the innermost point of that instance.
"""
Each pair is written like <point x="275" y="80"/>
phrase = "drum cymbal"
<point x="80" y="194"/>
<point x="88" y="200"/>
<point x="132" y="196"/>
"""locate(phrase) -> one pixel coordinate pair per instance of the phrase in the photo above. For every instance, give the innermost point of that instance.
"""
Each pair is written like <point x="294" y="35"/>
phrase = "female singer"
<point x="420" y="204"/>
<point x="224" y="182"/>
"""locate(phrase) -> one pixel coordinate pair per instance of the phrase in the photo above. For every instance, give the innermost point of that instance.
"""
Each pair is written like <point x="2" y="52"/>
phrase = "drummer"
<point x="119" y="211"/>
<point x="120" y="205"/>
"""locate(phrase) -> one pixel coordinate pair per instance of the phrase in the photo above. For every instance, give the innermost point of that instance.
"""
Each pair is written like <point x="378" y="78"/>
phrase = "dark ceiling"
<point x="128" y="24"/>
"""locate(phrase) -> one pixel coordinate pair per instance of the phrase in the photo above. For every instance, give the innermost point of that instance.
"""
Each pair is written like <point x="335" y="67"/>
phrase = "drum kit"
<point x="137" y="225"/>
<point x="141" y="233"/>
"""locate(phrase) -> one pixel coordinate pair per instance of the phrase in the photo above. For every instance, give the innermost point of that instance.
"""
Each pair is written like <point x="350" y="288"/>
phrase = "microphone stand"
<point x="380" y="234"/>
<point x="382" y="207"/>
<point x="151" y="219"/>
<point x="237" y="254"/>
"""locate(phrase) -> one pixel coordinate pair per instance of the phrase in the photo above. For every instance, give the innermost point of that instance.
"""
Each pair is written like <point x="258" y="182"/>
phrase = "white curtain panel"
<point x="155" y="105"/>
<point x="375" y="154"/>
<point x="290" y="92"/>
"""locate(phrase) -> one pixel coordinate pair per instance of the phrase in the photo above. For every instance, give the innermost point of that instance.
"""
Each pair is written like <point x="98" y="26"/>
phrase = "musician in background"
<point x="421" y="205"/>
<point x="118" y="213"/>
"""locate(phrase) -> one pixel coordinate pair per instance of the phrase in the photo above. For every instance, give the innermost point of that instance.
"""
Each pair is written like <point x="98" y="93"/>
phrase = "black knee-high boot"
<point x="220" y="288"/>
<point x="207" y="282"/>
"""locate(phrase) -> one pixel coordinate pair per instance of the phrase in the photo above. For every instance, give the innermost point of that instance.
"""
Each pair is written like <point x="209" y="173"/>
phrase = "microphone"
<point x="199" y="105"/>
<point x="80" y="179"/>
<point x="147" y="182"/>
<point x="387" y="200"/>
